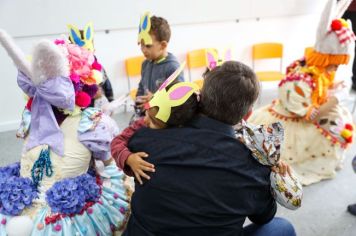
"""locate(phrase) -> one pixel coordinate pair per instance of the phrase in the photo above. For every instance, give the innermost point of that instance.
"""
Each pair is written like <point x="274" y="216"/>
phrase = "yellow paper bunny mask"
<point x="85" y="40"/>
<point x="177" y="95"/>
<point x="144" y="29"/>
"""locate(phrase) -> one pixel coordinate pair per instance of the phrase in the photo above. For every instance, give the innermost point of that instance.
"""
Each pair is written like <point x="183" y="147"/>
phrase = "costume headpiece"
<point x="144" y="29"/>
<point x="175" y="96"/>
<point x="85" y="40"/>
<point x="61" y="75"/>
<point x="335" y="39"/>
<point x="215" y="59"/>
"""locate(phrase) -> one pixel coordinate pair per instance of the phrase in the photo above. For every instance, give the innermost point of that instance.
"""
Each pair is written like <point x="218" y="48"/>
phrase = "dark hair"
<point x="160" y="29"/>
<point x="228" y="92"/>
<point x="180" y="115"/>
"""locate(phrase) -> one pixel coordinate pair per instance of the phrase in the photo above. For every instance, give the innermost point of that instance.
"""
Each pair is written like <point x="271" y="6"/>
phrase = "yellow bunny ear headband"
<point x="85" y="40"/>
<point x="215" y="59"/>
<point x="144" y="29"/>
<point x="177" y="95"/>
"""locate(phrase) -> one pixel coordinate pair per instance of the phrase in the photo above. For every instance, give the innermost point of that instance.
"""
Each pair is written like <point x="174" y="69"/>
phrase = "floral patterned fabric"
<point x="69" y="202"/>
<point x="265" y="141"/>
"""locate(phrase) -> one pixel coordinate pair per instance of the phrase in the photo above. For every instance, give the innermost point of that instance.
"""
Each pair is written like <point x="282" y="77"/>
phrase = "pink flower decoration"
<point x="3" y="221"/>
<point x="96" y="65"/>
<point x="74" y="77"/>
<point x="59" y="41"/>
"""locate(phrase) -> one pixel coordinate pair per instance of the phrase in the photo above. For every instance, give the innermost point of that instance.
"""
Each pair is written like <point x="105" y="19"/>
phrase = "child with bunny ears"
<point x="174" y="104"/>
<point x="85" y="39"/>
<point x="153" y="38"/>
<point x="160" y="115"/>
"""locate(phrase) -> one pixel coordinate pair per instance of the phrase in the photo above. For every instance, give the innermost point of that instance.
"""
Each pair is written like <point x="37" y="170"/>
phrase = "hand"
<point x="108" y="162"/>
<point x="282" y="168"/>
<point x="144" y="99"/>
<point x="138" y="165"/>
<point x="339" y="84"/>
<point x="314" y="114"/>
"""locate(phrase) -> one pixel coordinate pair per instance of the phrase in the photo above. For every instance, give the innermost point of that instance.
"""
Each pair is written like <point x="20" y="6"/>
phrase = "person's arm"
<point x="266" y="214"/>
<point x="119" y="149"/>
<point x="263" y="141"/>
<point x="325" y="108"/>
<point x="108" y="91"/>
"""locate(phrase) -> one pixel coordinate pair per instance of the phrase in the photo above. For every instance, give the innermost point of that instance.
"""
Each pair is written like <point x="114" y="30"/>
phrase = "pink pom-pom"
<point x="122" y="210"/>
<point x="82" y="99"/>
<point x="116" y="196"/>
<point x="349" y="127"/>
<point x="96" y="65"/>
<point x="90" y="210"/>
<point x="3" y="221"/>
<point x="58" y="228"/>
<point x="40" y="226"/>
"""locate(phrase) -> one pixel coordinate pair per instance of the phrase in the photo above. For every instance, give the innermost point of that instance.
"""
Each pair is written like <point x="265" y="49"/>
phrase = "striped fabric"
<point x="345" y="36"/>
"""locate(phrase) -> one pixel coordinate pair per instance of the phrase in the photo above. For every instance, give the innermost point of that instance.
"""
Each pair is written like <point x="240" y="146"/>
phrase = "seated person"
<point x="206" y="183"/>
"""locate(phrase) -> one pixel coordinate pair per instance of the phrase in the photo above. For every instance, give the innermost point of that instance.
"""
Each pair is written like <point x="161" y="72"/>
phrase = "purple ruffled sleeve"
<point x="96" y="131"/>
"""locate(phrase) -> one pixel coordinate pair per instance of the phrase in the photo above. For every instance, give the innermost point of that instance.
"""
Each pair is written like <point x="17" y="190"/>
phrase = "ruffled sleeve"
<point x="96" y="131"/>
<point x="263" y="141"/>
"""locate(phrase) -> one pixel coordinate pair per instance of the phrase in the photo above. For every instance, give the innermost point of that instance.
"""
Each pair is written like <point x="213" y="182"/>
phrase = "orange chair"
<point x="268" y="51"/>
<point x="307" y="50"/>
<point x="197" y="59"/>
<point x="133" y="69"/>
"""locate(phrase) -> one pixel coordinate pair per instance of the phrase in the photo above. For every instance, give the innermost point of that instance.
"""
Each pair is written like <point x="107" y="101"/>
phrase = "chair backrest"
<point x="196" y="59"/>
<point x="308" y="50"/>
<point x="267" y="51"/>
<point x="133" y="68"/>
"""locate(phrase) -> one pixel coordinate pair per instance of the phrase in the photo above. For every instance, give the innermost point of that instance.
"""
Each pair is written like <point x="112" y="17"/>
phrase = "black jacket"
<point x="206" y="183"/>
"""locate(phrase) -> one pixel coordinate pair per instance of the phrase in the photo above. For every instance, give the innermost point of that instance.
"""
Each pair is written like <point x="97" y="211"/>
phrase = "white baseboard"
<point x="9" y="125"/>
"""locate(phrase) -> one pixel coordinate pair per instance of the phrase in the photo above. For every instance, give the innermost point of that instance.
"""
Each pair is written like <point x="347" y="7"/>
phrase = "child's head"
<point x="179" y="114"/>
<point x="160" y="33"/>
<point x="229" y="92"/>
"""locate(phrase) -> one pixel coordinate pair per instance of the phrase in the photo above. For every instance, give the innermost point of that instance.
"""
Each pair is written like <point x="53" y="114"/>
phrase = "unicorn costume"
<point x="56" y="189"/>
<point x="314" y="149"/>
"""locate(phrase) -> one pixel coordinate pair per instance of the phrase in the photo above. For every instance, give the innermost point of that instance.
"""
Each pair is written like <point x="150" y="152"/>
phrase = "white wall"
<point x="295" y="32"/>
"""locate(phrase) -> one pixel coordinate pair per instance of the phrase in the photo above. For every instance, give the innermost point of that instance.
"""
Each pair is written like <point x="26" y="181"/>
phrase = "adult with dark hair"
<point x="206" y="182"/>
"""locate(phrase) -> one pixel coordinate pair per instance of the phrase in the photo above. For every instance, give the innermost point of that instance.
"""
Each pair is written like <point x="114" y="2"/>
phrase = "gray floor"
<point x="323" y="212"/>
